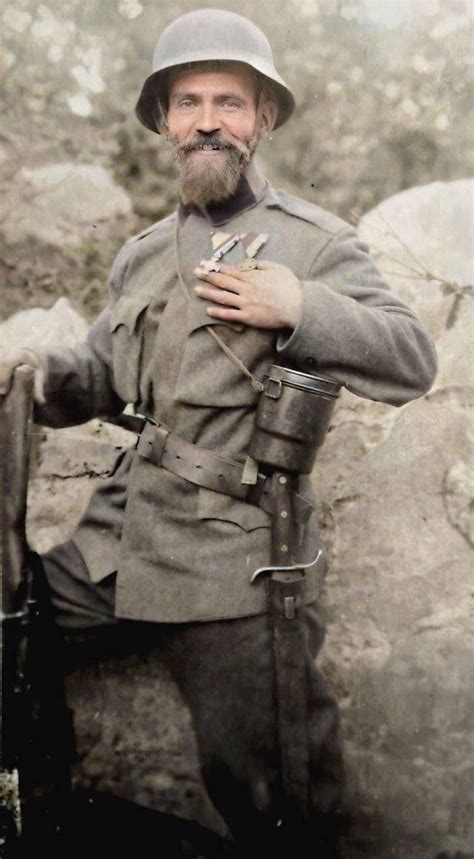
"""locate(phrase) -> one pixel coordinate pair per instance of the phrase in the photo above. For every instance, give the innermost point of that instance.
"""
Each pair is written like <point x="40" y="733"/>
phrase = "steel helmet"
<point x="212" y="34"/>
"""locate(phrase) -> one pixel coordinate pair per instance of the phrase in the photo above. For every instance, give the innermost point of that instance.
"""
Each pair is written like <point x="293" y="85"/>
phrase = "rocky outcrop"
<point x="57" y="199"/>
<point x="60" y="324"/>
<point x="62" y="225"/>
<point x="397" y="490"/>
<point x="395" y="495"/>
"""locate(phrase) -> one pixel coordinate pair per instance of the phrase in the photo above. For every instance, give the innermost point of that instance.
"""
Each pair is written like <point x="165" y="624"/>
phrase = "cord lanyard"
<point x="256" y="384"/>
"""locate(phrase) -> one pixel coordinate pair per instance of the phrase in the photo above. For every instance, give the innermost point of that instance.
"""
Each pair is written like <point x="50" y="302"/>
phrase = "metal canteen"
<point x="292" y="418"/>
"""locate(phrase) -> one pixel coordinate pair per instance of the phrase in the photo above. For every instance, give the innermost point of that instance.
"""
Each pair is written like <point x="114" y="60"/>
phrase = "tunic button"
<point x="310" y="362"/>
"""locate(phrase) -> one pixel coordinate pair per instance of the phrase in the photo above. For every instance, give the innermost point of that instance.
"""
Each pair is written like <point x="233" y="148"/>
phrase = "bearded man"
<point x="239" y="277"/>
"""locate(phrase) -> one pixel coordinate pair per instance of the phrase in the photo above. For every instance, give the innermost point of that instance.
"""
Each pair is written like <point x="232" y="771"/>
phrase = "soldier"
<point x="239" y="277"/>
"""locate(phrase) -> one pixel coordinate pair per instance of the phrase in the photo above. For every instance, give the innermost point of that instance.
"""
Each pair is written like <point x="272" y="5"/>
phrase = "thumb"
<point x="40" y="398"/>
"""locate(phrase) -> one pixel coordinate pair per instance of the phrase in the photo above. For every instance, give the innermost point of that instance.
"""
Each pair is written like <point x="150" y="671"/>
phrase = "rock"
<point x="422" y="238"/>
<point x="135" y="738"/>
<point x="459" y="498"/>
<point x="85" y="453"/>
<point x="455" y="347"/>
<point x="58" y="325"/>
<point x="397" y="496"/>
<point x="71" y="463"/>
<point x="59" y="203"/>
<point x="133" y="732"/>
<point x="123" y="747"/>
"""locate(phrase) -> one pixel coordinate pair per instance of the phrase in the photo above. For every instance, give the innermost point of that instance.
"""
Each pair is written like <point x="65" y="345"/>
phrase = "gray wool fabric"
<point x="182" y="552"/>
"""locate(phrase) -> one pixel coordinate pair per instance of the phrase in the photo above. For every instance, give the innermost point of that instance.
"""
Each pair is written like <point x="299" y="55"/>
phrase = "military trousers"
<point x="225" y="671"/>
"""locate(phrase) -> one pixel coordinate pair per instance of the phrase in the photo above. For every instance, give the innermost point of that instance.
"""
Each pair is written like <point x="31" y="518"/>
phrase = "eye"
<point x="186" y="103"/>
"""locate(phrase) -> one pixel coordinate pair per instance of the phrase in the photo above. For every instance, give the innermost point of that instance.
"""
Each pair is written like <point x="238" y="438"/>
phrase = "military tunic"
<point x="183" y="552"/>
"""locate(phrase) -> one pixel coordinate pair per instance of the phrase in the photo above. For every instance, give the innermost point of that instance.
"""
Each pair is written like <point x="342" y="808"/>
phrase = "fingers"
<point x="18" y="357"/>
<point x="258" y="265"/>
<point x="237" y="273"/>
<point x="220" y="296"/>
<point x="6" y="381"/>
<point x="226" y="313"/>
<point x="223" y="279"/>
<point x="7" y="370"/>
<point x="265" y="265"/>
<point x="40" y="398"/>
<point x="5" y="384"/>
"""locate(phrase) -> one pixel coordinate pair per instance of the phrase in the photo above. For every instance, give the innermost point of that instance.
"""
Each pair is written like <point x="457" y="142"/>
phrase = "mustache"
<point x="213" y="140"/>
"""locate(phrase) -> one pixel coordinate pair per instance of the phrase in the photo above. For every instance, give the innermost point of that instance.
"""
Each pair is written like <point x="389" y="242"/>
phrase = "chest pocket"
<point x="126" y="328"/>
<point x="209" y="377"/>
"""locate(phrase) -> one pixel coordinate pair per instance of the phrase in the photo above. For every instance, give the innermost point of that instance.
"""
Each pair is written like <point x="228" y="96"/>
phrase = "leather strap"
<point x="286" y="593"/>
<point x="200" y="466"/>
<point x="256" y="384"/>
<point x="208" y="469"/>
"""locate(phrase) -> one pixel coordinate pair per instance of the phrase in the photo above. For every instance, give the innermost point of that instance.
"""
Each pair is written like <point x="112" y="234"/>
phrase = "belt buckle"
<point x="152" y="441"/>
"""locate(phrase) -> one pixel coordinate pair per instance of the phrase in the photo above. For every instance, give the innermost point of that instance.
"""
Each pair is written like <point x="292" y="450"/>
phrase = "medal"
<point x="222" y="243"/>
<point x="253" y="242"/>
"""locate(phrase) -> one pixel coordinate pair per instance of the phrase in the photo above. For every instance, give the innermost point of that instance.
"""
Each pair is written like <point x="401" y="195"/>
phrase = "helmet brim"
<point x="147" y="107"/>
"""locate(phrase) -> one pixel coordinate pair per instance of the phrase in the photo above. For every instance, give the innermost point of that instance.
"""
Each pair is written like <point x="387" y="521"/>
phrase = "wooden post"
<point x="16" y="411"/>
<point x="16" y="414"/>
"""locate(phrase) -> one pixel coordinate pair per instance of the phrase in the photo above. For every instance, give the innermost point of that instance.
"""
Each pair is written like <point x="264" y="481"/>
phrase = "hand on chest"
<point x="207" y="376"/>
<point x="237" y="287"/>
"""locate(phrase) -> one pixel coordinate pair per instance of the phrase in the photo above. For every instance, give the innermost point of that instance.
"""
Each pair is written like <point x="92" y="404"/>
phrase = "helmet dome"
<point x="212" y="34"/>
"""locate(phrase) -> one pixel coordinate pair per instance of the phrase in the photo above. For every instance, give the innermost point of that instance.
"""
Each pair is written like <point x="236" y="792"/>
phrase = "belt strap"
<point x="200" y="466"/>
<point x="286" y="593"/>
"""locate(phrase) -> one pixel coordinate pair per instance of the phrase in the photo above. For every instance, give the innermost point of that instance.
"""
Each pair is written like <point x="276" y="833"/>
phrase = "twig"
<point x="422" y="273"/>
<point x="403" y="243"/>
<point x="400" y="262"/>
<point x="453" y="285"/>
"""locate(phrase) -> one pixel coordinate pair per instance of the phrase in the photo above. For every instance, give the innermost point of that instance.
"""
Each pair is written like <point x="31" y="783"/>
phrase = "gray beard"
<point x="203" y="183"/>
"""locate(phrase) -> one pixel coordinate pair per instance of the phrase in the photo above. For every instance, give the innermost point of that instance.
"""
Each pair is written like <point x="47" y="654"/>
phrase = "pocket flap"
<point x="216" y="505"/>
<point x="127" y="310"/>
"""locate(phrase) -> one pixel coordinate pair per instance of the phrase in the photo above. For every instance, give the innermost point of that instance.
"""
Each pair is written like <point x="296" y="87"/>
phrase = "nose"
<point x="208" y="120"/>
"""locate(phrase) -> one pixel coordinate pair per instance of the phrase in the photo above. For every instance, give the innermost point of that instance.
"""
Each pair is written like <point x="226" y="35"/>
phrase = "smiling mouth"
<point x="208" y="147"/>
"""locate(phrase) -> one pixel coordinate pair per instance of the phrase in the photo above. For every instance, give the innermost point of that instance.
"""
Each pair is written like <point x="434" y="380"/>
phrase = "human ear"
<point x="269" y="115"/>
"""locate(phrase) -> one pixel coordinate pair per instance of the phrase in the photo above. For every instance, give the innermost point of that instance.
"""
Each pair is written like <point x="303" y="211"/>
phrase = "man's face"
<point x="214" y="128"/>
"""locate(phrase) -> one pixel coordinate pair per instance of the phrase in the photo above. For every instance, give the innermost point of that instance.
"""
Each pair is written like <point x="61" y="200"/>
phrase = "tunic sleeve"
<point x="354" y="329"/>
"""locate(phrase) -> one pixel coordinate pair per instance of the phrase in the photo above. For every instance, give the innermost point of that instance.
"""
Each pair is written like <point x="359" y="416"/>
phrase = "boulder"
<point x="422" y="240"/>
<point x="59" y="325"/>
<point x="66" y="463"/>
<point x="396" y="492"/>
<point x="57" y="200"/>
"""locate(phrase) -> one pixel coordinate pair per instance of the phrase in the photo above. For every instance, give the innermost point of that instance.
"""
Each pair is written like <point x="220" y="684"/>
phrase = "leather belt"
<point x="200" y="466"/>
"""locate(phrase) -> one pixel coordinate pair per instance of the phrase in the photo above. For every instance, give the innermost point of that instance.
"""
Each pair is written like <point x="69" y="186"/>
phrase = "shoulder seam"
<point x="331" y="238"/>
<point x="150" y="229"/>
<point x="289" y="209"/>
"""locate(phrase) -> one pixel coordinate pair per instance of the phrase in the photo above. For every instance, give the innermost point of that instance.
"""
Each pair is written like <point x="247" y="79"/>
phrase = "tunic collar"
<point x="250" y="190"/>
